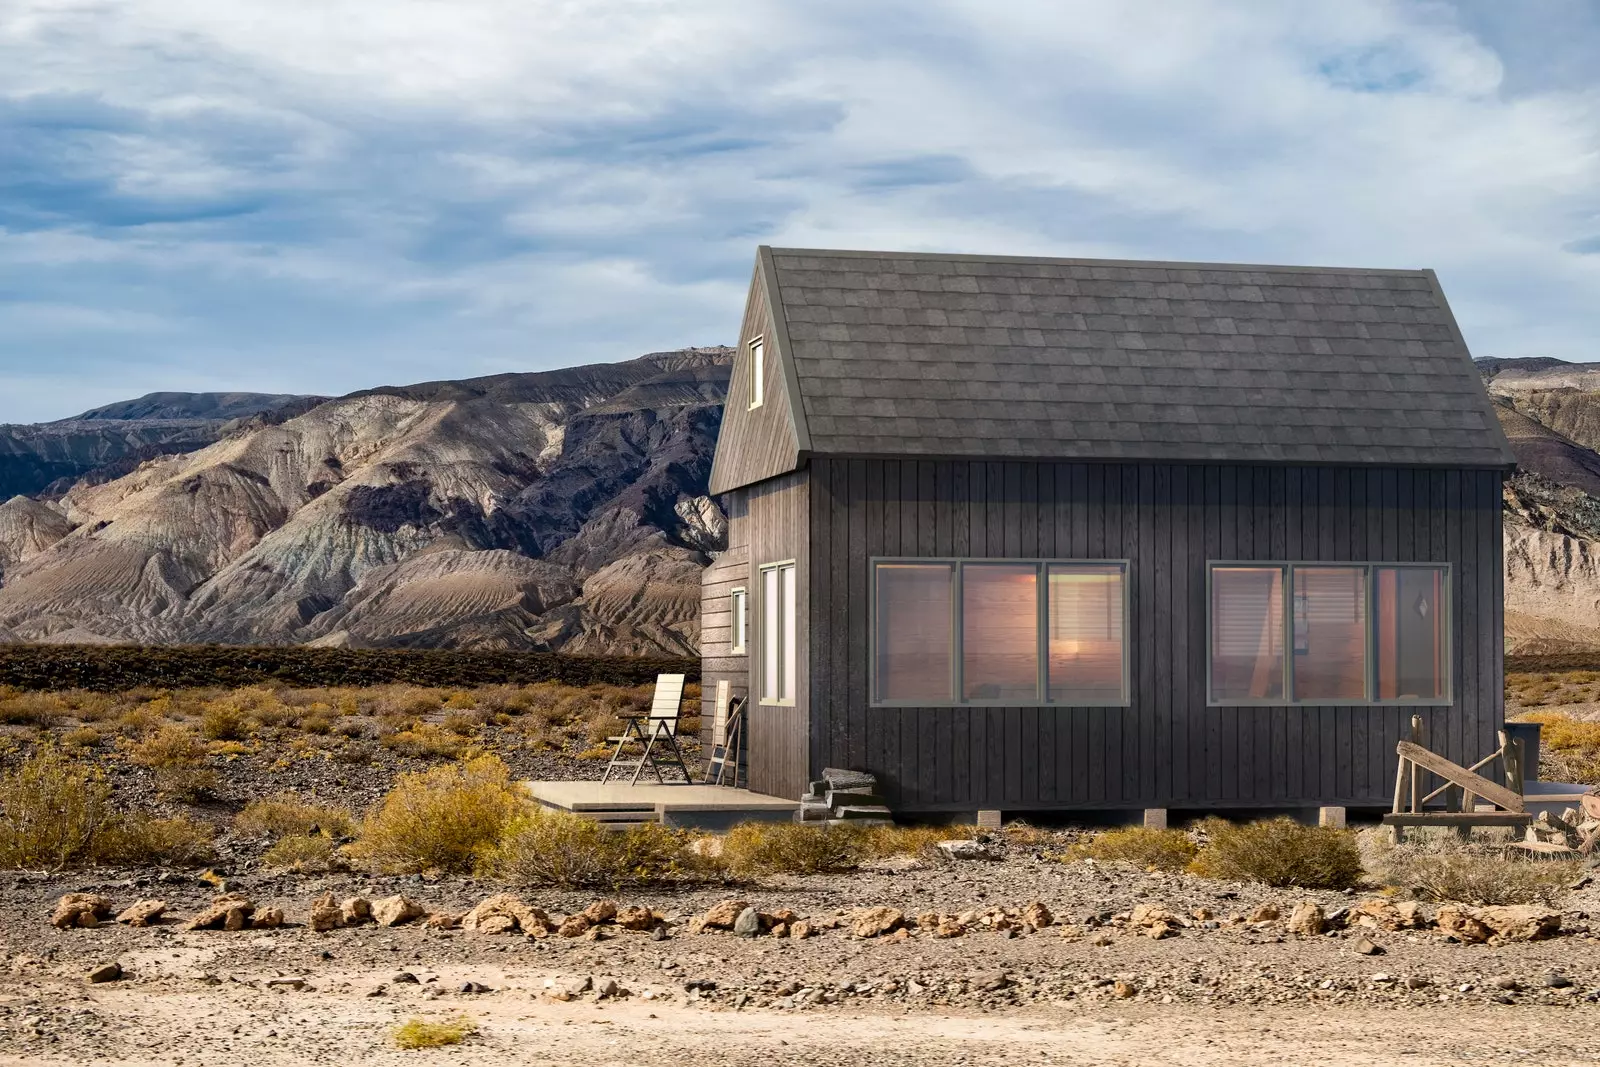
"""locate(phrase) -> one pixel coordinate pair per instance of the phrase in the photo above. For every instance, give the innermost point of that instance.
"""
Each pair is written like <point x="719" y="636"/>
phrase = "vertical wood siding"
<point x="1168" y="749"/>
<point x="778" y="531"/>
<point x="760" y="442"/>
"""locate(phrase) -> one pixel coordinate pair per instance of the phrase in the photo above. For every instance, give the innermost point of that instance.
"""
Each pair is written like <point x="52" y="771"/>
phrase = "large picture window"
<point x="778" y="662"/>
<point x="1329" y="633"/>
<point x="949" y="632"/>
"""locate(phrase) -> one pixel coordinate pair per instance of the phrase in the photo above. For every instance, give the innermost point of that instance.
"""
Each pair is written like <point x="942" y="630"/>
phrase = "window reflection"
<point x="1410" y="626"/>
<point x="914" y="641"/>
<point x="1330" y="633"/>
<point x="1000" y="632"/>
<point x="1246" y="633"/>
<point x="1085" y="631"/>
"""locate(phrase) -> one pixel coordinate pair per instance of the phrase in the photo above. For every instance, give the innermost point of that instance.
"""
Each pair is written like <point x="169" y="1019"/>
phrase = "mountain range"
<point x="557" y="510"/>
<point x="563" y="510"/>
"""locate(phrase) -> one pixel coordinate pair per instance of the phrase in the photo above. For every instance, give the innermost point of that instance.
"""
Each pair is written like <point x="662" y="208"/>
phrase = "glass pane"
<point x="770" y="634"/>
<point x="1330" y="633"/>
<point x="1000" y="631"/>
<point x="1246" y="633"/>
<point x="913" y="641"/>
<point x="789" y="662"/>
<point x="1412" y="660"/>
<point x="736" y="625"/>
<point x="1085" y="631"/>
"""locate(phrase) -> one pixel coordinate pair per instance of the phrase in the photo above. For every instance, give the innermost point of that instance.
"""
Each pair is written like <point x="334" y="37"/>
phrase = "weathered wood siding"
<point x="755" y="443"/>
<point x="1168" y="749"/>
<point x="727" y="572"/>
<point x="779" y="531"/>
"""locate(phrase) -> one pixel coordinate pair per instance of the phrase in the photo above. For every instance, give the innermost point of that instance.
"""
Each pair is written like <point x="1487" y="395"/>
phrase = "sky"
<point x="319" y="196"/>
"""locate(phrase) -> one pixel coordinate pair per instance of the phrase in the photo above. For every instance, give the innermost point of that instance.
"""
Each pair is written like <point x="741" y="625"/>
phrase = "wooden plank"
<point x="1179" y="621"/>
<point x="1457" y="818"/>
<point x="1493" y="792"/>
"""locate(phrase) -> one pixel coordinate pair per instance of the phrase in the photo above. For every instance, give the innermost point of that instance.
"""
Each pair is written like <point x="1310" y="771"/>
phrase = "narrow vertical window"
<point x="1410" y="631"/>
<point x="913" y="635"/>
<point x="736" y="620"/>
<point x="1000" y="632"/>
<point x="1330" y="634"/>
<point x="758" y="373"/>
<point x="778" y="641"/>
<point x="1085" y="630"/>
<point x="1246" y="634"/>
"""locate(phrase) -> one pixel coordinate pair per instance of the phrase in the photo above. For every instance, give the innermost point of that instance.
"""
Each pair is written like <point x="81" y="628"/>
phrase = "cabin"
<point x="1032" y="535"/>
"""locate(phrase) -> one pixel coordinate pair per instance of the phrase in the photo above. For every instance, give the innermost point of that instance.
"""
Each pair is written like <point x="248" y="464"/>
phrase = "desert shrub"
<point x="225" y="720"/>
<point x="597" y="752"/>
<point x="1279" y="852"/>
<point x="1169" y="850"/>
<point x="142" y="841"/>
<point x="443" y="818"/>
<point x="355" y="753"/>
<point x="52" y="809"/>
<point x="315" y="853"/>
<point x="462" y="723"/>
<point x="318" y="719"/>
<point x="417" y="1032"/>
<point x="425" y="740"/>
<point x="171" y="746"/>
<point x="921" y="841"/>
<point x="139" y="722"/>
<point x="287" y="815"/>
<point x="82" y="737"/>
<point x="31" y="709"/>
<point x="1441" y="867"/>
<point x="757" y="848"/>
<point x="542" y="847"/>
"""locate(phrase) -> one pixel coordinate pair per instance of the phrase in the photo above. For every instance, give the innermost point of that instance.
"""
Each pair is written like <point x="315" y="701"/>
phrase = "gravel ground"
<point x="203" y="996"/>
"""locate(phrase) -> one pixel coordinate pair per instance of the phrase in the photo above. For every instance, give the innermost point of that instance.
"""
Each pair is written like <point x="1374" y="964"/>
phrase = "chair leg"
<point x="677" y="754"/>
<point x="627" y="735"/>
<point x="646" y="760"/>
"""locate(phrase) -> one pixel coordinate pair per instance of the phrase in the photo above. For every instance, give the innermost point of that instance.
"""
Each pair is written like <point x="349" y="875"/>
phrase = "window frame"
<point x="757" y="347"/>
<point x="793" y="619"/>
<point x="1371" y="665"/>
<point x="1042" y="565"/>
<point x="738" y="620"/>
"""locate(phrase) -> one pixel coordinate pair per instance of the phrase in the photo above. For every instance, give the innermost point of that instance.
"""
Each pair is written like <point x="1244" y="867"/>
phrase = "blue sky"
<point x="326" y="195"/>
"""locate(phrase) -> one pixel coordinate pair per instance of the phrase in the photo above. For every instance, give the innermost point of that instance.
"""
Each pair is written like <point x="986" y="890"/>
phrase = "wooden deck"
<point x="706" y="807"/>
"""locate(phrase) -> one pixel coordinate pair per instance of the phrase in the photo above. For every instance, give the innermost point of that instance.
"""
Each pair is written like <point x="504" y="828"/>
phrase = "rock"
<point x="296" y="984"/>
<point x="230" y="911"/>
<point x="495" y="924"/>
<point x="473" y="987"/>
<point x="80" y="909"/>
<point x="967" y="849"/>
<point x="993" y="983"/>
<point x="573" y="926"/>
<point x="636" y="917"/>
<point x="267" y="919"/>
<point x="1307" y="919"/>
<point x="948" y="928"/>
<point x="1520" y="922"/>
<point x="800" y="930"/>
<point x="1508" y="983"/>
<point x="1157" y="931"/>
<point x="659" y="934"/>
<point x="1037" y="915"/>
<point x="748" y="924"/>
<point x="442" y="920"/>
<point x="325" y="914"/>
<point x="106" y="972"/>
<point x="353" y="911"/>
<point x="1418" y="981"/>
<point x="1557" y="981"/>
<point x="1365" y="947"/>
<point x="392" y="911"/>
<point x="1459" y="922"/>
<point x="722" y="916"/>
<point x="605" y="988"/>
<point x="874" y="922"/>
<point x="1122" y="990"/>
<point x="1148" y="915"/>
<point x="1266" y="913"/>
<point x="839" y="779"/>
<point x="601" y="911"/>
<point x="503" y="913"/>
<point x="403" y="978"/>
<point x="143" y="913"/>
<point x="379" y="990"/>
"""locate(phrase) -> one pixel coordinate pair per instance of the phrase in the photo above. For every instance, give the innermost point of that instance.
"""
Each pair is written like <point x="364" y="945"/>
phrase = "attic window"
<point x="758" y="373"/>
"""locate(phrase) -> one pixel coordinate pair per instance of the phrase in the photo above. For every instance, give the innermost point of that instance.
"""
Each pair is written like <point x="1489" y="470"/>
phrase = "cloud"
<point x="320" y="197"/>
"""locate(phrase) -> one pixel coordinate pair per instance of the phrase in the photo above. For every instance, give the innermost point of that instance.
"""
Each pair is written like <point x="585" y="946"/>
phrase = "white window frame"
<point x="758" y="371"/>
<point x="738" y="624"/>
<point x="776" y="633"/>
<point x="1041" y="699"/>
<point x="1288" y="568"/>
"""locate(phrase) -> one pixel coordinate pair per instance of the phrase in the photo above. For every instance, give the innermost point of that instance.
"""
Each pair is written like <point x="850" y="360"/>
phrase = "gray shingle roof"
<point x="938" y="355"/>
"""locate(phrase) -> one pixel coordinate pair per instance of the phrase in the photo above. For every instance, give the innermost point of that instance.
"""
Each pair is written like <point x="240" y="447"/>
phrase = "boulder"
<point x="1307" y="919"/>
<point x="748" y="924"/>
<point x="80" y="909"/>
<point x="495" y="924"/>
<point x="267" y="919"/>
<point x="1148" y="915"/>
<point x="230" y="911"/>
<point x="1520" y="922"/>
<point x="722" y="916"/>
<point x="1037" y="915"/>
<point x="353" y="911"/>
<point x="1266" y="913"/>
<point x="1459" y="922"/>
<point x="143" y="913"/>
<point x="106" y="972"/>
<point x="601" y="911"/>
<point x="392" y="911"/>
<point x="875" y="922"/>
<point x="325" y="914"/>
<point x="442" y="920"/>
<point x="573" y="926"/>
<point x="800" y="930"/>
<point x="505" y="906"/>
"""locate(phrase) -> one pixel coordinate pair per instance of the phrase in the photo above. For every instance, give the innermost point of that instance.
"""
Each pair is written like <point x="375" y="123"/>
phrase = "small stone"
<point x="442" y="920"/>
<point x="1417" y="981"/>
<point x="1037" y="915"/>
<point x="1508" y="983"/>
<point x="267" y="919"/>
<point x="573" y="926"/>
<point x="659" y="934"/>
<point x="1365" y="947"/>
<point x="605" y="988"/>
<point x="722" y="916"/>
<point x="296" y="984"/>
<point x="748" y="924"/>
<point x="635" y="917"/>
<point x="473" y="988"/>
<point x="143" y="913"/>
<point x="1160" y="930"/>
<point x="106" y="972"/>
<point x="1307" y="919"/>
<point x="395" y="910"/>
<point x="378" y="990"/>
<point x="403" y="978"/>
<point x="1264" y="914"/>
<point x="601" y="911"/>
<point x="353" y="911"/>
<point x="800" y="930"/>
<point x="948" y="928"/>
<point x="1122" y="990"/>
<point x="325" y="914"/>
<point x="993" y="983"/>
<point x="874" y="922"/>
<point x="1553" y="980"/>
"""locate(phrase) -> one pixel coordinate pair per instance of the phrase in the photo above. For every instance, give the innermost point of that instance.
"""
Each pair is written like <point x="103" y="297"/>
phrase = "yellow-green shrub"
<point x="224" y="720"/>
<point x="52" y="809"/>
<point x="142" y="841"/>
<point x="304" y="854"/>
<point x="1279" y="852"/>
<point x="757" y="848"/>
<point x="417" y="1032"/>
<point x="542" y="847"/>
<point x="1142" y="846"/>
<point x="443" y="818"/>
<point x="286" y="815"/>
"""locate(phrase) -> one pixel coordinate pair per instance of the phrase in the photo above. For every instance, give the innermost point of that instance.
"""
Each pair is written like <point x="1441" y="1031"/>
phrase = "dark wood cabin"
<point x="1050" y="534"/>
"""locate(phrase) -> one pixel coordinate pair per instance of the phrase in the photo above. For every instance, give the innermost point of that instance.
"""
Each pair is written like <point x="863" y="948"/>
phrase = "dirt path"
<point x="234" y="1024"/>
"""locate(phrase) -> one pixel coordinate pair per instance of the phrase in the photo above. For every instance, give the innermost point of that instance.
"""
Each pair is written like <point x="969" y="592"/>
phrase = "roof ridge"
<point x="967" y="257"/>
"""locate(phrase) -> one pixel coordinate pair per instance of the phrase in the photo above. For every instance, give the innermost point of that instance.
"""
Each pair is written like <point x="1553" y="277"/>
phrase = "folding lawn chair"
<point x="660" y="726"/>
